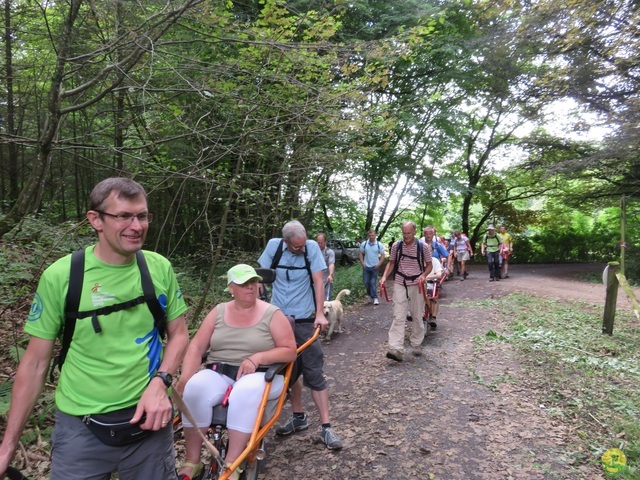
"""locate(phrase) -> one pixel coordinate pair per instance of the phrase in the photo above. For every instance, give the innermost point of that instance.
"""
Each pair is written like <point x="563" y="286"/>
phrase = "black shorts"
<point x="310" y="363"/>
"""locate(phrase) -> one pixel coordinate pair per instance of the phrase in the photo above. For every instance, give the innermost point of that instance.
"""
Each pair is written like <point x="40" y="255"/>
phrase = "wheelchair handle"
<point x="422" y="289"/>
<point x="383" y="289"/>
<point x="268" y="275"/>
<point x="311" y="339"/>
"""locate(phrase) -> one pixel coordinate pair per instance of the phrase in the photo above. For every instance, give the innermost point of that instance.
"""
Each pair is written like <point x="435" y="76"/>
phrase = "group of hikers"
<point x="417" y="266"/>
<point x="120" y="314"/>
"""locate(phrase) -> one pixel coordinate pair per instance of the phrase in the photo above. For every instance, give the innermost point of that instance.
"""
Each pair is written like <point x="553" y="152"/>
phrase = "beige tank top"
<point x="233" y="345"/>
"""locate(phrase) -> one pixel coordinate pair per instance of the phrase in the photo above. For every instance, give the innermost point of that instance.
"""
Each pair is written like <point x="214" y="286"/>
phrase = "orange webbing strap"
<point x="259" y="430"/>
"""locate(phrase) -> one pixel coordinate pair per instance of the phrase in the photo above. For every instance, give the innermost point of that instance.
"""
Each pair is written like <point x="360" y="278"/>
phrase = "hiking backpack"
<point x="366" y="243"/>
<point x="496" y="237"/>
<point x="74" y="291"/>
<point x="275" y="264"/>
<point x="419" y="257"/>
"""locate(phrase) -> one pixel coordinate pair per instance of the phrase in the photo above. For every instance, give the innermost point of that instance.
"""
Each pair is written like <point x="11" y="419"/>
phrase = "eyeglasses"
<point x="127" y="218"/>
<point x="295" y="248"/>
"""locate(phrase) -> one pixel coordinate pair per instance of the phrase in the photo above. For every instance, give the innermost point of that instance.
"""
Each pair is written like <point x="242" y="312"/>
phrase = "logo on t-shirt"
<point x="36" y="309"/>
<point x="98" y="298"/>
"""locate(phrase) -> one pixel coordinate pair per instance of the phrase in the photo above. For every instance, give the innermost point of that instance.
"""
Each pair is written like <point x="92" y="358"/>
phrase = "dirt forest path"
<point x="445" y="415"/>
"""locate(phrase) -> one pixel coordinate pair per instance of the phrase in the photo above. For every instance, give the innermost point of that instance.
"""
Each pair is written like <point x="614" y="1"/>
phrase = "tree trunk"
<point x="31" y="194"/>
<point x="12" y="151"/>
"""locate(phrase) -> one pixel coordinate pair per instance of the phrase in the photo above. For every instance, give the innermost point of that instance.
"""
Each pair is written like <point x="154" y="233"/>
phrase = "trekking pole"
<point x="175" y="396"/>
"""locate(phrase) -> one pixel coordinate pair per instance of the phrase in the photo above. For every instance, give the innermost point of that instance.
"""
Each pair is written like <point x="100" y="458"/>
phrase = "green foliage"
<point x="350" y="277"/>
<point x="29" y="249"/>
<point x="5" y="397"/>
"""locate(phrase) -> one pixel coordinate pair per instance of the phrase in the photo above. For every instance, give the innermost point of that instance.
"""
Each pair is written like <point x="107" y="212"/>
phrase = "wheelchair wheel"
<point x="251" y="472"/>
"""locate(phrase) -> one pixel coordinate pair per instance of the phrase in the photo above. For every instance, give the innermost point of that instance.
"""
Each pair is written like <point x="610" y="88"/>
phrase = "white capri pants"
<point x="206" y="389"/>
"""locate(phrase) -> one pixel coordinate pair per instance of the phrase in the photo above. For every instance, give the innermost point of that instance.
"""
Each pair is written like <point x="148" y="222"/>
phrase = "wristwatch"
<point x="166" y="378"/>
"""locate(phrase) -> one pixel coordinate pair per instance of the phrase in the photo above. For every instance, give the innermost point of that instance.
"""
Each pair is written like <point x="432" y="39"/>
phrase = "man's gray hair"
<point x="293" y="229"/>
<point x="410" y="224"/>
<point x="125" y="189"/>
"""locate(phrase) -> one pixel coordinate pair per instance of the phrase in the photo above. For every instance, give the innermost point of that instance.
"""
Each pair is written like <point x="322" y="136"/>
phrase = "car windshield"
<point x="350" y="244"/>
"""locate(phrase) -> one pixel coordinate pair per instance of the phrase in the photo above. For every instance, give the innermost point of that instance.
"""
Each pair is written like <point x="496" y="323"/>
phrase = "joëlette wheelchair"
<point x="431" y="293"/>
<point x="268" y="413"/>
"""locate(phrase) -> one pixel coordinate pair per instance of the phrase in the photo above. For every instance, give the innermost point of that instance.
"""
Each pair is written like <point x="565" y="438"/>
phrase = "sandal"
<point x="196" y="468"/>
<point x="235" y="475"/>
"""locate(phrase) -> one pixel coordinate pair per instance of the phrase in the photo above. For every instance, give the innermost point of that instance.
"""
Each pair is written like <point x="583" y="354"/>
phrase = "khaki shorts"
<point x="462" y="256"/>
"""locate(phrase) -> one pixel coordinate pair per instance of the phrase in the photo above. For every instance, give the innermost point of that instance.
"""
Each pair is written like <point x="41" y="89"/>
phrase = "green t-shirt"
<point x="492" y="243"/>
<point x="506" y="239"/>
<point x="109" y="370"/>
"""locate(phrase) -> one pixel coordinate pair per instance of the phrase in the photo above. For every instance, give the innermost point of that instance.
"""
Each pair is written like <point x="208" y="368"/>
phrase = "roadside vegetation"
<point x="577" y="375"/>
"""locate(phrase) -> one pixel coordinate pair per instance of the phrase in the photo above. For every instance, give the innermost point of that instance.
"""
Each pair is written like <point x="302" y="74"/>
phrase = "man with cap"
<point x="491" y="248"/>
<point x="240" y="338"/>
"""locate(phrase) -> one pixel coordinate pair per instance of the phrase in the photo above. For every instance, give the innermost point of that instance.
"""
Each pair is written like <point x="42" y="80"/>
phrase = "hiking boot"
<point x="294" y="425"/>
<point x="497" y="279"/>
<point x="376" y="302"/>
<point x="417" y="351"/>
<point x="395" y="355"/>
<point x="506" y="276"/>
<point x="466" y="274"/>
<point x="331" y="439"/>
<point x="491" y="279"/>
<point x="433" y="324"/>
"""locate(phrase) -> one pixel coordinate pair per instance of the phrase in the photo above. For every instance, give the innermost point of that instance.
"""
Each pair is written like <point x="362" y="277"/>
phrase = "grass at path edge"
<point x="580" y="375"/>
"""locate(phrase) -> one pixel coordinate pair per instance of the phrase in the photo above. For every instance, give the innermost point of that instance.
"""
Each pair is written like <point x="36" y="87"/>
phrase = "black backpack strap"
<point x="149" y="293"/>
<point x="277" y="256"/>
<point x="72" y="303"/>
<point x="275" y="264"/>
<point x="419" y="258"/>
<point x="398" y="256"/>
<point x="307" y="264"/>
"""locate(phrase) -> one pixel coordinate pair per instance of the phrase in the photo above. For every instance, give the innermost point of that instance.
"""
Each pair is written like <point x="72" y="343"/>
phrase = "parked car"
<point x="346" y="251"/>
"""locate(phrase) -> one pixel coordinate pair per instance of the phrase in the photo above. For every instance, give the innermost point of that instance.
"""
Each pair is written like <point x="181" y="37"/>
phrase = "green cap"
<point x="241" y="273"/>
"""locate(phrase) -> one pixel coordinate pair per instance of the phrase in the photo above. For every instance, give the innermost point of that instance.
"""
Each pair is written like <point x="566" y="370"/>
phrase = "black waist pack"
<point x="114" y="429"/>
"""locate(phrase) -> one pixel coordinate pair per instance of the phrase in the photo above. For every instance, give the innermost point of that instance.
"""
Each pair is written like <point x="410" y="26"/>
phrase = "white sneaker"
<point x="376" y="302"/>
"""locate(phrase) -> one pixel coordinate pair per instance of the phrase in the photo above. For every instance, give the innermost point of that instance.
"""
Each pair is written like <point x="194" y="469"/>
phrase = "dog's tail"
<point x="343" y="292"/>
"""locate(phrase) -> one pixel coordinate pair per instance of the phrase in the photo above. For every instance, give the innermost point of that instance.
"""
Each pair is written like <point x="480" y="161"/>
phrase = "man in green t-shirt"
<point x="116" y="360"/>
<point x="506" y="249"/>
<point x="491" y="248"/>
